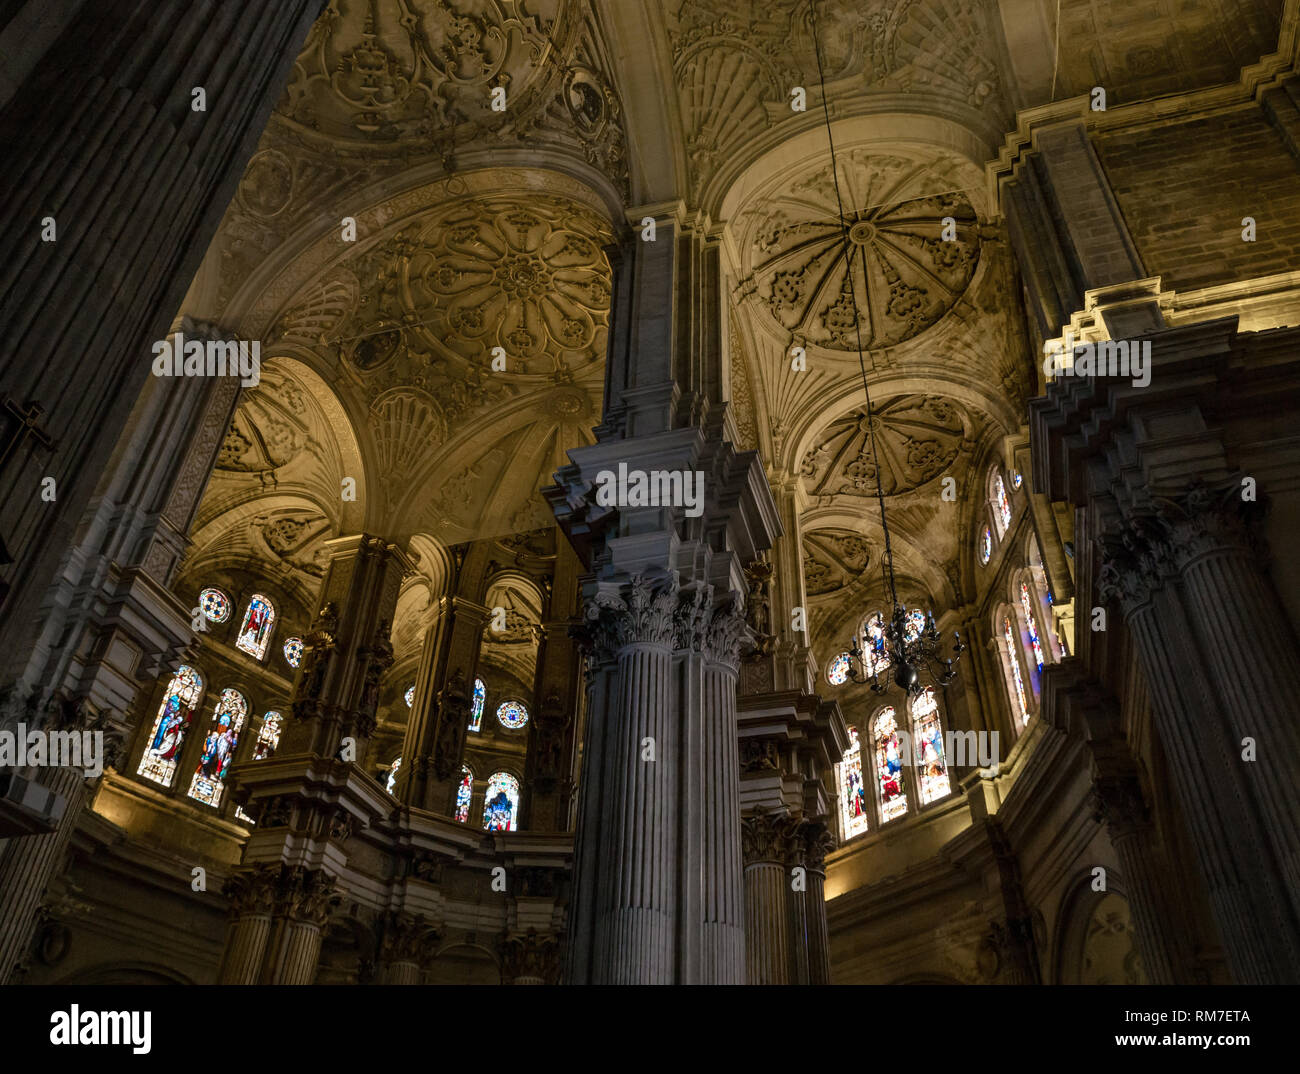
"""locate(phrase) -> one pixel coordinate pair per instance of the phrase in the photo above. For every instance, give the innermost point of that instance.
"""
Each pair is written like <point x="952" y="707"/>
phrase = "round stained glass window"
<point x="512" y="715"/>
<point x="293" y="651"/>
<point x="986" y="545"/>
<point x="409" y="696"/>
<point x="838" y="672"/>
<point x="215" y="605"/>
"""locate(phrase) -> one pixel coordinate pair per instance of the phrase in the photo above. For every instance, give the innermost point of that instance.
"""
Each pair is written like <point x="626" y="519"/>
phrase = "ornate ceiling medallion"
<point x="905" y="268"/>
<point x="917" y="436"/>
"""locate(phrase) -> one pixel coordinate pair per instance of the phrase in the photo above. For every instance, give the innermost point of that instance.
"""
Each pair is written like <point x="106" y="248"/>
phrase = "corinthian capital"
<point x="1203" y="519"/>
<point x="642" y="613"/>
<point x="728" y="635"/>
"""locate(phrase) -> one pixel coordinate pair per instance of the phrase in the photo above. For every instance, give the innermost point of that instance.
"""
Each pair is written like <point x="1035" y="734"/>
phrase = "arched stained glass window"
<point x="501" y="803"/>
<point x="1001" y="503"/>
<point x="512" y="715"/>
<point x="463" y="794"/>
<point x="209" y="778"/>
<point x="168" y="735"/>
<point x="1009" y="636"/>
<point x="476" y="708"/>
<point x="927" y="735"/>
<point x="214" y="604"/>
<point x="293" y="651"/>
<point x="1028" y="605"/>
<point x="391" y="785"/>
<point x="838" y="672"/>
<point x="853" y="795"/>
<point x="986" y="545"/>
<point x="409" y="695"/>
<point x="268" y="738"/>
<point x="255" y="631"/>
<point x="889" y="766"/>
<point x="1016" y="479"/>
<point x="877" y="659"/>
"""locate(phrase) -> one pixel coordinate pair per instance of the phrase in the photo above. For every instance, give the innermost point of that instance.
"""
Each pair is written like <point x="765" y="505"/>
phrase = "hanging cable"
<point x="888" y="571"/>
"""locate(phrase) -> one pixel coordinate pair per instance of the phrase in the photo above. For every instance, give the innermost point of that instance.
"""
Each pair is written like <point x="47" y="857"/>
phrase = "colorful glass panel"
<point x="476" y="709"/>
<point x="463" y="794"/>
<point x="913" y="624"/>
<point x="889" y="766"/>
<point x="1001" y="502"/>
<point x="409" y="695"/>
<point x="168" y="734"/>
<point x="1016" y="479"/>
<point x="293" y="651"/>
<point x="1034" y="643"/>
<point x="512" y="715"/>
<point x="838" y="672"/>
<point x="391" y="785"/>
<point x="986" y="545"/>
<point x="215" y="605"/>
<point x="268" y="738"/>
<point x="209" y="778"/>
<point x="877" y="657"/>
<point x="255" y="631"/>
<point x="1009" y="636"/>
<point x="853" y="795"/>
<point x="927" y="734"/>
<point x="501" y="803"/>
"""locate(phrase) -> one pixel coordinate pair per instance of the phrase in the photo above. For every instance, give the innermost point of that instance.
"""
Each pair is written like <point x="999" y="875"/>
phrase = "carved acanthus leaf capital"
<point x="644" y="615"/>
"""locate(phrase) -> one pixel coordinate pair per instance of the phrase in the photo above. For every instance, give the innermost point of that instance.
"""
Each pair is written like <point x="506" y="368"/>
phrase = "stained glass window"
<point x="476" y="710"/>
<point x="1027" y="605"/>
<point x="293" y="651"/>
<point x="853" y="795"/>
<point x="391" y="785"/>
<point x="209" y="778"/>
<point x="1016" y="479"/>
<point x="255" y="631"/>
<point x="986" y="545"/>
<point x="838" y="672"/>
<point x="168" y="734"/>
<point x="409" y="696"/>
<point x="889" y="766"/>
<point x="463" y="794"/>
<point x="214" y="604"/>
<point x="877" y="658"/>
<point x="239" y="812"/>
<point x="1000" y="501"/>
<point x="1009" y="636"/>
<point x="512" y="715"/>
<point x="268" y="738"/>
<point x="501" y="803"/>
<point x="913" y="624"/>
<point x="927" y="735"/>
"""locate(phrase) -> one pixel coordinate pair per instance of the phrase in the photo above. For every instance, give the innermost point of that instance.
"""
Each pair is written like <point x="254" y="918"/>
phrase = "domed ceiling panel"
<point x="890" y="252"/>
<point x="918" y="438"/>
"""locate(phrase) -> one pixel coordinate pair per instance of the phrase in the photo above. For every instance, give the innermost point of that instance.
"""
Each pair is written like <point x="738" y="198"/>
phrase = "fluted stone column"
<point x="102" y="137"/>
<point x="1118" y="802"/>
<point x="636" y="915"/>
<point x="275" y="935"/>
<point x="815" y="842"/>
<point x="767" y="840"/>
<point x="723" y="941"/>
<point x="1248" y="894"/>
<point x="251" y="897"/>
